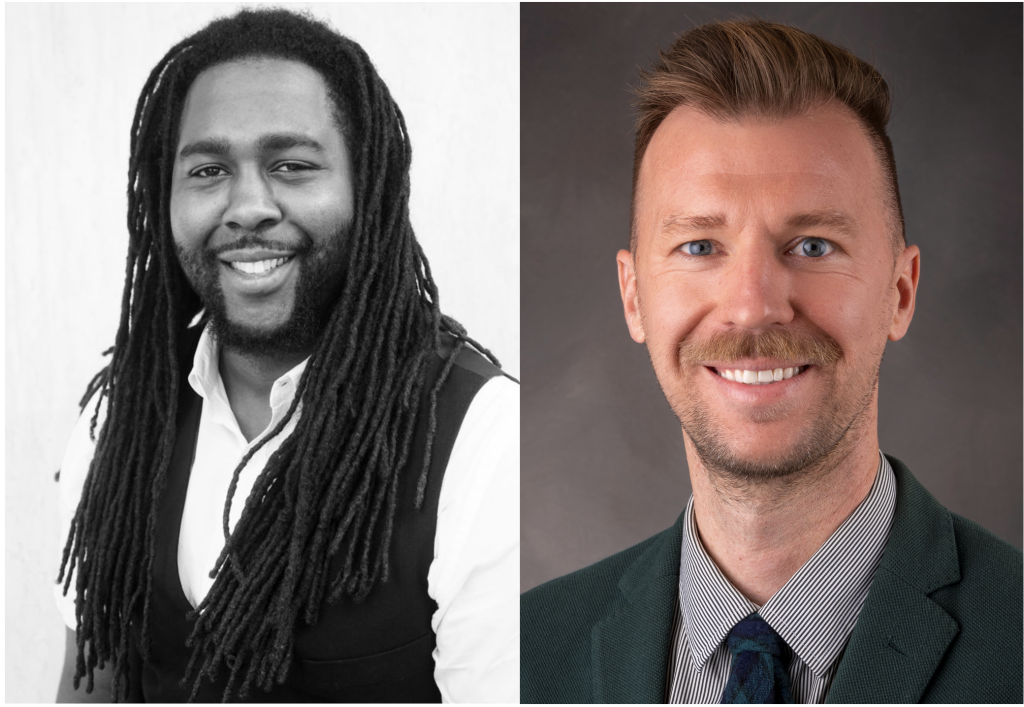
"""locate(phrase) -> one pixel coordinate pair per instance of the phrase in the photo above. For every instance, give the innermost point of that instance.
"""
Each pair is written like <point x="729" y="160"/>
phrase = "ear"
<point x="630" y="297"/>
<point x="908" y="270"/>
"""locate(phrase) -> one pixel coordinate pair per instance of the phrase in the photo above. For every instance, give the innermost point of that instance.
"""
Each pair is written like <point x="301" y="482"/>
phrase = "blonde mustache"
<point x="816" y="349"/>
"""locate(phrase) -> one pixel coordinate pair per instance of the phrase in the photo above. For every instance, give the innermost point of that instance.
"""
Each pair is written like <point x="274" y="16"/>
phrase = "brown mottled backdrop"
<point x="603" y="464"/>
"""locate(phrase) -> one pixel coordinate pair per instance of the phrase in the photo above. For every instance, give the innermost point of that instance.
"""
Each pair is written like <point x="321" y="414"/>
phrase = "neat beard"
<point x="834" y="421"/>
<point x="320" y="277"/>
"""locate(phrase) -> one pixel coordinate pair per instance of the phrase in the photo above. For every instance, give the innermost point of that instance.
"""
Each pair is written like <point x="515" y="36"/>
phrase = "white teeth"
<point x="759" y="377"/>
<point x="258" y="267"/>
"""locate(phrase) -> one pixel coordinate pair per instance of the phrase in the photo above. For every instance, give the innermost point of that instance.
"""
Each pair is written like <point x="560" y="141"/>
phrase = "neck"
<point x="760" y="533"/>
<point x="248" y="380"/>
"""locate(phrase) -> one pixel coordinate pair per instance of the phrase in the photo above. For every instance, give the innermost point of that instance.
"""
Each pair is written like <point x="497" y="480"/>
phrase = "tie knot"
<point x="754" y="634"/>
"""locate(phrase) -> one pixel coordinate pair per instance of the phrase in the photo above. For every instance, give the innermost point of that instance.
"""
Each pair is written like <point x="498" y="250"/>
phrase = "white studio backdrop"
<point x="73" y="75"/>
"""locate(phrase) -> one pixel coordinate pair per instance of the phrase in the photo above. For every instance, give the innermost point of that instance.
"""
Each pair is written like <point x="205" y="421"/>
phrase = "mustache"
<point x="256" y="240"/>
<point x="818" y="348"/>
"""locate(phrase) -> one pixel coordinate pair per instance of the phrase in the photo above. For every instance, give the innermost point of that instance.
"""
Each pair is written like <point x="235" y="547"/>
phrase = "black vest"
<point x="376" y="651"/>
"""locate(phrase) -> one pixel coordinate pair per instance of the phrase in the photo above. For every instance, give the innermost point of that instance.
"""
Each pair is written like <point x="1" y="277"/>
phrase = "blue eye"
<point x="814" y="247"/>
<point x="697" y="248"/>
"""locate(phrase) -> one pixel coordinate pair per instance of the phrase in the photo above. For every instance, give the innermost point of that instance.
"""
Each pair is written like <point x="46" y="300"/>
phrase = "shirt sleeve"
<point x="73" y="470"/>
<point x="474" y="577"/>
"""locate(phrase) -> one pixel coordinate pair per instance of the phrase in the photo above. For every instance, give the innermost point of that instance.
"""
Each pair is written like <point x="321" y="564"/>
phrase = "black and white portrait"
<point x="296" y="468"/>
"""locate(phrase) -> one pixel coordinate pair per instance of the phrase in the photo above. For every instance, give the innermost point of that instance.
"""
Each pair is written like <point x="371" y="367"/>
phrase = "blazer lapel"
<point x="898" y="642"/>
<point x="900" y="638"/>
<point x="630" y="647"/>
<point x="901" y="634"/>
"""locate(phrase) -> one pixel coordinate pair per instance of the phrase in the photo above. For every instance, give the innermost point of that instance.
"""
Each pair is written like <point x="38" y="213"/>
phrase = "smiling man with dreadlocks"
<point x="254" y="497"/>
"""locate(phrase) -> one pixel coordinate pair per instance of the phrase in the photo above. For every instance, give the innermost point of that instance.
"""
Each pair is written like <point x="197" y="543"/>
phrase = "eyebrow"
<point x="829" y="218"/>
<point x="271" y="142"/>
<point x="698" y="222"/>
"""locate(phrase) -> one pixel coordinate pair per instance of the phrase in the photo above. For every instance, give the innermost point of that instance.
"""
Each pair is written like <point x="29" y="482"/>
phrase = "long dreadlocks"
<point x="330" y="489"/>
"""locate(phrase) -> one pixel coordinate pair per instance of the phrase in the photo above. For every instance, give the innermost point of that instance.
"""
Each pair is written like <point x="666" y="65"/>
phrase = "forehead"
<point x="251" y="96"/>
<point x="820" y="160"/>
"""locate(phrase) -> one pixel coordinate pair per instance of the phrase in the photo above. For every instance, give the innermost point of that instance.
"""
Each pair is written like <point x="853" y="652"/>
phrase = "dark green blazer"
<point x="942" y="622"/>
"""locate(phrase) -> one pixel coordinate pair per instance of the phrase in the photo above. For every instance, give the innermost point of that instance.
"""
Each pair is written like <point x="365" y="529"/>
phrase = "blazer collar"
<point x="630" y="646"/>
<point x="901" y="634"/>
<point x="896" y="646"/>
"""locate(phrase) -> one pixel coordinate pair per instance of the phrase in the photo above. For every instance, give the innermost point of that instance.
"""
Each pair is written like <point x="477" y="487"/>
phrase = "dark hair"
<point x="330" y="489"/>
<point x="729" y="70"/>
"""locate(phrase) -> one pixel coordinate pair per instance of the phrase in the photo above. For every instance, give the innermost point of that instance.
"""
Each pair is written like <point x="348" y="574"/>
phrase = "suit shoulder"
<point x="986" y="604"/>
<point x="592" y="585"/>
<point x="987" y="562"/>
<point x="556" y="622"/>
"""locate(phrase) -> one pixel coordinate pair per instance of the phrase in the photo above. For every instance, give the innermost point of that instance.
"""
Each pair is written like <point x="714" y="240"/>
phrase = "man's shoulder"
<point x="466" y="373"/>
<point x="591" y="589"/>
<point x="557" y="620"/>
<point x="987" y="606"/>
<point x="985" y="565"/>
<point x="976" y="579"/>
<point x="964" y="563"/>
<point x="471" y="361"/>
<point x="986" y="558"/>
<point x="989" y="593"/>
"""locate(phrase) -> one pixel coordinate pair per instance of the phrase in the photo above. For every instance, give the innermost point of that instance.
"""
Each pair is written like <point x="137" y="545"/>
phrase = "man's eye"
<point x="697" y="248"/>
<point x="208" y="172"/>
<point x="813" y="248"/>
<point x="292" y="167"/>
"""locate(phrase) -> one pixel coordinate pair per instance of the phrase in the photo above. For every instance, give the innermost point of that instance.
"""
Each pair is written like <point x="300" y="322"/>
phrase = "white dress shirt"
<point x="474" y="577"/>
<point x="814" y="612"/>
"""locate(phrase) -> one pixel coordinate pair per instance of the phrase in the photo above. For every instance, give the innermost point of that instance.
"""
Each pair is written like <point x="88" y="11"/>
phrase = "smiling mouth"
<point x="766" y="377"/>
<point x="257" y="267"/>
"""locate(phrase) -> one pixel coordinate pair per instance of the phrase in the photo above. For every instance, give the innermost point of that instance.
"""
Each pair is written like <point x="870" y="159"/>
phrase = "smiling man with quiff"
<point x="767" y="269"/>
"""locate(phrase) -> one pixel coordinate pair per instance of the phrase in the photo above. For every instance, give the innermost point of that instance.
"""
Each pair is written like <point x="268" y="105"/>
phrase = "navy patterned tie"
<point x="758" y="675"/>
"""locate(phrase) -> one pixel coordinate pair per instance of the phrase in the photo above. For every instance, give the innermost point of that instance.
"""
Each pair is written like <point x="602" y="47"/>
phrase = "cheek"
<point x="672" y="306"/>
<point x="323" y="219"/>
<point x="324" y="211"/>
<point x="189" y="219"/>
<point x="849" y="309"/>
<point x="337" y="205"/>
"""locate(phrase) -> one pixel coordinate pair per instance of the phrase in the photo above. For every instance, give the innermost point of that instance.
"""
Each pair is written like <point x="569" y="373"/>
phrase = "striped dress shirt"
<point x="814" y="612"/>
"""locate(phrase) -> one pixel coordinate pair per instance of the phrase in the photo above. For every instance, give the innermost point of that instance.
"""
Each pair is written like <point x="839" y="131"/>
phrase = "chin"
<point x="761" y="464"/>
<point x="296" y="334"/>
<point x="769" y="453"/>
<point x="754" y="451"/>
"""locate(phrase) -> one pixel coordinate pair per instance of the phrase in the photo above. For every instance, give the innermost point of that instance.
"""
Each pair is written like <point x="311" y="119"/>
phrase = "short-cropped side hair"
<point x="740" y="68"/>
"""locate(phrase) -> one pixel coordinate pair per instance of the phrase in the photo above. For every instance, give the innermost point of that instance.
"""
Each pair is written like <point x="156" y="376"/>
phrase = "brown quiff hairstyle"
<point x="740" y="68"/>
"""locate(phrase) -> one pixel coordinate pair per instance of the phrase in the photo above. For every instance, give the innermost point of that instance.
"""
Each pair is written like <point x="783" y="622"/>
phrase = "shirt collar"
<point x="206" y="381"/>
<point x="711" y="606"/>
<point x="815" y="611"/>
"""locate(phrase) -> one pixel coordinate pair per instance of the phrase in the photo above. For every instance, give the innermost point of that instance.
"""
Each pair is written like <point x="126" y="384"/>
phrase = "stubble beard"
<point x="836" y="424"/>
<point x="834" y="429"/>
<point x="318" y="284"/>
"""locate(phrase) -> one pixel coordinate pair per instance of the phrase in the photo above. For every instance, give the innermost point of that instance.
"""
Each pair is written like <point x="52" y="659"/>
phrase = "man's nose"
<point x="755" y="291"/>
<point x="252" y="204"/>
